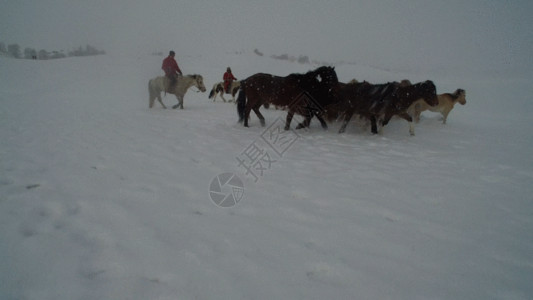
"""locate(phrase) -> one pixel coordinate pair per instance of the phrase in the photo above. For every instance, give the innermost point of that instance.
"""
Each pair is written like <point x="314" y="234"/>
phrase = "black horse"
<point x="305" y="94"/>
<point x="380" y="102"/>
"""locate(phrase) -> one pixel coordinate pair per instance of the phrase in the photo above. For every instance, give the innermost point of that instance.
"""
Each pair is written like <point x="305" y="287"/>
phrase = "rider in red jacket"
<point x="170" y="66"/>
<point x="228" y="79"/>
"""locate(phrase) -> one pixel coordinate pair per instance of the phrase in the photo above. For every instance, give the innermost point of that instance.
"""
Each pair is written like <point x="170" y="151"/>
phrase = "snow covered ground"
<point x="103" y="198"/>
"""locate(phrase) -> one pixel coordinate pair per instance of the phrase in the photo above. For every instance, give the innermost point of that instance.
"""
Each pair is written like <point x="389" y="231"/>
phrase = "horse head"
<point x="461" y="96"/>
<point x="325" y="82"/>
<point x="327" y="75"/>
<point x="199" y="82"/>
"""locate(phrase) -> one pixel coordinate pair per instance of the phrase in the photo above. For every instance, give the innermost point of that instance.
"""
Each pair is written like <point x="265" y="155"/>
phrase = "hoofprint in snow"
<point x="104" y="198"/>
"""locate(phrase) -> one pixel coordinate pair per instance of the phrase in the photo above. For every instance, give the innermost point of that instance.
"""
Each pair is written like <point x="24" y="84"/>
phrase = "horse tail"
<point x="213" y="91"/>
<point x="151" y="93"/>
<point x="241" y="101"/>
<point x="150" y="90"/>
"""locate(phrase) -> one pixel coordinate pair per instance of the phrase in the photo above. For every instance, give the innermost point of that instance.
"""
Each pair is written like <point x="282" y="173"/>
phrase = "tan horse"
<point x="446" y="103"/>
<point x="160" y="84"/>
<point x="218" y="89"/>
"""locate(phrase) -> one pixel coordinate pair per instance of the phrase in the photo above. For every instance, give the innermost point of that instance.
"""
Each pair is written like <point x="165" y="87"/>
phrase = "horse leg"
<point x="445" y="115"/>
<point x="418" y="111"/>
<point x="259" y="115"/>
<point x="288" y="120"/>
<point x="374" y="127"/>
<point x="306" y="122"/>
<point x="160" y="101"/>
<point x="347" y="118"/>
<point x="247" y="110"/>
<point x="180" y="103"/>
<point x="408" y="118"/>
<point x="222" y="96"/>
<point x="384" y="120"/>
<point x="381" y="123"/>
<point x="322" y="121"/>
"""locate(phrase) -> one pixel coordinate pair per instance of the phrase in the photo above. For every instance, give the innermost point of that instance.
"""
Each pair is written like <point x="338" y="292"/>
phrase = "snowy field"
<point x="103" y="198"/>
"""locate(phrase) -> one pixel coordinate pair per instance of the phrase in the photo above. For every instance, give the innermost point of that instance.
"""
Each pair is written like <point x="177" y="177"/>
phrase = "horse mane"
<point x="458" y="93"/>
<point x="330" y="72"/>
<point x="311" y="76"/>
<point x="455" y="95"/>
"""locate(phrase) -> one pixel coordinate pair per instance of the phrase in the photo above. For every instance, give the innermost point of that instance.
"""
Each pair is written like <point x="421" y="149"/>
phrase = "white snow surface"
<point x="104" y="198"/>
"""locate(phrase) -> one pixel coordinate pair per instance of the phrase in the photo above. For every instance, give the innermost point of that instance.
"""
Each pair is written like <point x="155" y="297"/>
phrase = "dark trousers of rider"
<point x="172" y="81"/>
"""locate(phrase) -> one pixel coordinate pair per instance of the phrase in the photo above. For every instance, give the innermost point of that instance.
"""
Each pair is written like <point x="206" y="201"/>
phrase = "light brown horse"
<point x="446" y="103"/>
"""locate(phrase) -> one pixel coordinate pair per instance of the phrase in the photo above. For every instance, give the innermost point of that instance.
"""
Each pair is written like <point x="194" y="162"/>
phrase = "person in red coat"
<point x="171" y="68"/>
<point x="228" y="79"/>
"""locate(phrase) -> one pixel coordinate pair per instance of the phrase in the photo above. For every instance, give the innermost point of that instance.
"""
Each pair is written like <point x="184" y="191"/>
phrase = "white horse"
<point x="160" y="84"/>
<point x="218" y="89"/>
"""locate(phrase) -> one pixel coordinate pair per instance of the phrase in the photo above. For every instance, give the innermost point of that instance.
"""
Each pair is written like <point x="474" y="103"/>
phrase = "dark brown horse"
<point x="304" y="94"/>
<point x="380" y="102"/>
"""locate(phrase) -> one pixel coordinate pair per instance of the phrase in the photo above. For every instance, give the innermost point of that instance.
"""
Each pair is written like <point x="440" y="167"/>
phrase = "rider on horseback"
<point x="228" y="79"/>
<point x="170" y="66"/>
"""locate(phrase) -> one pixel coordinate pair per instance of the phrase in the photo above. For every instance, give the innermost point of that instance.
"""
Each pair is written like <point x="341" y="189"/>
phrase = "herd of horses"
<point x="318" y="93"/>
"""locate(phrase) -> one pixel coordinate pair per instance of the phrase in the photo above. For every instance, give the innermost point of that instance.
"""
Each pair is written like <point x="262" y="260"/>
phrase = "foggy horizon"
<point x="483" y="33"/>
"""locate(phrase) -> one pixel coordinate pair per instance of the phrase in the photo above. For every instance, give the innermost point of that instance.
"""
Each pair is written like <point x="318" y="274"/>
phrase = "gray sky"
<point x="476" y="32"/>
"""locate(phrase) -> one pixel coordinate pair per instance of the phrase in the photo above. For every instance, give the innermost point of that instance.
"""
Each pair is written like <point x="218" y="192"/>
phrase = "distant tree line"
<point x="302" y="59"/>
<point x="14" y="50"/>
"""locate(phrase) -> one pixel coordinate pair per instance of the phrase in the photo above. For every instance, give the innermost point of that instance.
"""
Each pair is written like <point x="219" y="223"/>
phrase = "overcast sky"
<point x="495" y="32"/>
